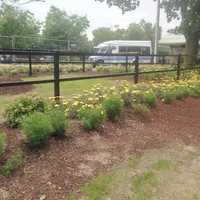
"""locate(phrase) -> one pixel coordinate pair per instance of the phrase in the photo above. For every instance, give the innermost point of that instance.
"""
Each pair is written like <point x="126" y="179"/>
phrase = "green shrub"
<point x="58" y="121"/>
<point x="12" y="164"/>
<point x="92" y="118"/>
<point x="113" y="107"/>
<point x="181" y="93"/>
<point x="194" y="91"/>
<point x="141" y="109"/>
<point x="37" y="128"/>
<point x="149" y="98"/>
<point x="168" y="96"/>
<point x="2" y="144"/>
<point x="21" y="108"/>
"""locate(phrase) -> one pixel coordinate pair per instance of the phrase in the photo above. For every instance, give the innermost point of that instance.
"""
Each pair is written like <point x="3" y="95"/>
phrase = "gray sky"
<point x="100" y="15"/>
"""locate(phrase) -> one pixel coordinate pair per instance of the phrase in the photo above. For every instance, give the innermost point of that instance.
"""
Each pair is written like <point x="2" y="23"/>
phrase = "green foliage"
<point x="61" y="26"/>
<point x="141" y="109"/>
<point x="58" y="121"/>
<point x="92" y="118"/>
<point x="125" y="6"/>
<point x="24" y="106"/>
<point x="162" y="165"/>
<point x="113" y="107"/>
<point x="149" y="98"/>
<point x="2" y="143"/>
<point x="181" y="93"/>
<point x="194" y="91"/>
<point x="37" y="128"/>
<point x="143" y="185"/>
<point x="12" y="164"/>
<point x="15" y="21"/>
<point x="168" y="96"/>
<point x="96" y="189"/>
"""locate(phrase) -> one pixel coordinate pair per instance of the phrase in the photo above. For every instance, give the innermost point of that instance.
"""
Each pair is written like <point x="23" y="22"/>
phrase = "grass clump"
<point x="37" y="128"/>
<point x="59" y="122"/>
<point x="97" y="188"/>
<point x="12" y="164"/>
<point x="168" y="96"/>
<point x="181" y="93"/>
<point x="141" y="109"/>
<point x="113" y="107"/>
<point x="2" y="143"/>
<point x="149" y="98"/>
<point x="24" y="106"/>
<point x="92" y="118"/>
<point x="162" y="165"/>
<point x="143" y="186"/>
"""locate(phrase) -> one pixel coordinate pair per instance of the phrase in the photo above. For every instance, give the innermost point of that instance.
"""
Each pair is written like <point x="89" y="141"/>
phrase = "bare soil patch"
<point x="64" y="165"/>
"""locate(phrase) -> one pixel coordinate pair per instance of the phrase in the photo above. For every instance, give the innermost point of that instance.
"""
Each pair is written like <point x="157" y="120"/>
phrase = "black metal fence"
<point x="82" y="58"/>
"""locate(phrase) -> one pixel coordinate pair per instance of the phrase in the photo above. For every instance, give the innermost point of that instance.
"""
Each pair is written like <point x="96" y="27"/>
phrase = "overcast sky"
<point x="99" y="14"/>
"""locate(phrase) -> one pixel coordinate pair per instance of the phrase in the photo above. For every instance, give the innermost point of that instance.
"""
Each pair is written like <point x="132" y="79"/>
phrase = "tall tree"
<point x="15" y="22"/>
<point x="188" y="11"/>
<point x="105" y="34"/>
<point x="60" y="26"/>
<point x="189" y="14"/>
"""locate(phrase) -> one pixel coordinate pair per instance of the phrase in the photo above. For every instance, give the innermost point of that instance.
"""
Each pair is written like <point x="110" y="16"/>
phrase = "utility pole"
<point x="157" y="30"/>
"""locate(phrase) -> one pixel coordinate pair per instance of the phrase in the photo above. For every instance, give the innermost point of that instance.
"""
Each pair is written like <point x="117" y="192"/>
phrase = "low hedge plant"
<point x="37" y="128"/>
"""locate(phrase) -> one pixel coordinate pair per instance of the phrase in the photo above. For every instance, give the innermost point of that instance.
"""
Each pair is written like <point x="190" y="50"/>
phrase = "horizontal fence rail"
<point x="56" y="61"/>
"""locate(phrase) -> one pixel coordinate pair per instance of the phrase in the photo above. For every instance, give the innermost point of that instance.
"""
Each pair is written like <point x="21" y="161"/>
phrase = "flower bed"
<point x="40" y="119"/>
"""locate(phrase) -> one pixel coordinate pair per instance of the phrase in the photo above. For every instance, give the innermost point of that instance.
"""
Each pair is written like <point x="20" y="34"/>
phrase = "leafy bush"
<point x="141" y="109"/>
<point x="37" y="128"/>
<point x="181" y="93"/>
<point x="194" y="91"/>
<point x="12" y="164"/>
<point x="149" y="98"/>
<point x="168" y="96"/>
<point x="2" y="143"/>
<point x="113" y="107"/>
<point x="92" y="118"/>
<point x="21" y="108"/>
<point x="59" y="122"/>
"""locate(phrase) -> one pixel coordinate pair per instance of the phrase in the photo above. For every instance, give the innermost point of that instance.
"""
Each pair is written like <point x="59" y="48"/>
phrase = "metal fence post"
<point x="163" y="60"/>
<point x="178" y="67"/>
<point x="56" y="76"/>
<point x="83" y="63"/>
<point x="126" y="63"/>
<point x="136" y="76"/>
<point x="30" y="73"/>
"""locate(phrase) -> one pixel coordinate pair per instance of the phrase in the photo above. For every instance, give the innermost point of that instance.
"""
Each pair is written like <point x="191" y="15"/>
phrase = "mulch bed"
<point x="12" y="90"/>
<point x="64" y="165"/>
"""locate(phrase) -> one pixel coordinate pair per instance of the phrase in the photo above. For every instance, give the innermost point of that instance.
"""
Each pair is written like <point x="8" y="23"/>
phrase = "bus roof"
<point x="125" y="43"/>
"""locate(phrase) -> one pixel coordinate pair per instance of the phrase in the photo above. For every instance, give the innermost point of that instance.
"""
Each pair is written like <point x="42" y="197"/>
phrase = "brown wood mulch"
<point x="63" y="165"/>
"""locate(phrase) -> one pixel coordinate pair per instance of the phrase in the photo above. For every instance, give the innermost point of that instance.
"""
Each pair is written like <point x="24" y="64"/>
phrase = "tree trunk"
<point x="192" y="47"/>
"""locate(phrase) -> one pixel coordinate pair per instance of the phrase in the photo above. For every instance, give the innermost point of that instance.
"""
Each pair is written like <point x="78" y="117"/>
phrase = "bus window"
<point x="145" y="50"/>
<point x="134" y="50"/>
<point x="103" y="50"/>
<point x="122" y="49"/>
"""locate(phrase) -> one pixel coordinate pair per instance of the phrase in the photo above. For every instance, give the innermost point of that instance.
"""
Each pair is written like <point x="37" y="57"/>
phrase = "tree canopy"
<point x="59" y="25"/>
<point x="17" y="22"/>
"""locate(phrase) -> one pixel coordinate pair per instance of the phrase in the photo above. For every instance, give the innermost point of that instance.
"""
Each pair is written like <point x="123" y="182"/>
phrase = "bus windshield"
<point x="103" y="50"/>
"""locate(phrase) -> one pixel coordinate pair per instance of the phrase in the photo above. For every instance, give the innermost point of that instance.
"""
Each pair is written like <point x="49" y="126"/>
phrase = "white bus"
<point x="122" y="47"/>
